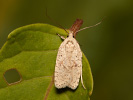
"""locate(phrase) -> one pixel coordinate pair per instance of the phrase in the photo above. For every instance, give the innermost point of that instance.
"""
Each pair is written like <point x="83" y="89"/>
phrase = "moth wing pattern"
<point x="68" y="68"/>
<point x="61" y="76"/>
<point x="76" y="71"/>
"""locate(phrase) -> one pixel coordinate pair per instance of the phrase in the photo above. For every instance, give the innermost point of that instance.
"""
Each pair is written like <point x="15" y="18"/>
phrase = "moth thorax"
<point x="69" y="46"/>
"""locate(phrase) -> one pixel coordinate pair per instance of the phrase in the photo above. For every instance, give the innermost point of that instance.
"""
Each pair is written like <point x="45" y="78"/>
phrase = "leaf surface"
<point x="32" y="50"/>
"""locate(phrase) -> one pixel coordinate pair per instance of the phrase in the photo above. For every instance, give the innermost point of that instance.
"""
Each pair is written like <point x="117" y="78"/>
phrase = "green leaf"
<point x="32" y="50"/>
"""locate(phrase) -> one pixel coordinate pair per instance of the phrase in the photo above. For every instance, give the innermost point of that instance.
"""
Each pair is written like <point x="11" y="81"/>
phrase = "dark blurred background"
<point x="108" y="47"/>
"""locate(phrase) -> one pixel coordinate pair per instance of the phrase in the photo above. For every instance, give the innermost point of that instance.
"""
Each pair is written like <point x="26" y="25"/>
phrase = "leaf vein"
<point x="49" y="88"/>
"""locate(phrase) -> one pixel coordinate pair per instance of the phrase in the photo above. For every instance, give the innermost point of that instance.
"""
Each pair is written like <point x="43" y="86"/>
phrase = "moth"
<point x="68" y="68"/>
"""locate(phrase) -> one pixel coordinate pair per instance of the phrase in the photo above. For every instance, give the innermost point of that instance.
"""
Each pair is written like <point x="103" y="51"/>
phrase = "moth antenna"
<point x="55" y="21"/>
<point x="92" y="25"/>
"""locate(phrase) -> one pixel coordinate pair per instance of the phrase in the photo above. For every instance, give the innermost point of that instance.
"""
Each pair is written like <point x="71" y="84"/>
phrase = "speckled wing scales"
<point x="61" y="76"/>
<point x="76" y="71"/>
<point x="68" y="68"/>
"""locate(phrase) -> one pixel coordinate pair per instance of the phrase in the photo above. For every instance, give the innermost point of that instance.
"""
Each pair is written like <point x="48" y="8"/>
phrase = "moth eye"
<point x="67" y="36"/>
<point x="73" y="36"/>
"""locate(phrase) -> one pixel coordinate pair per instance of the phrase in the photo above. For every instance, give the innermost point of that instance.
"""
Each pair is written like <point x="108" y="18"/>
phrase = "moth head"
<point x="70" y="34"/>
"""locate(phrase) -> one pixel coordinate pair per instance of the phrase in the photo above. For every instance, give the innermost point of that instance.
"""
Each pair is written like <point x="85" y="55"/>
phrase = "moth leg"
<point x="82" y="80"/>
<point x="60" y="36"/>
